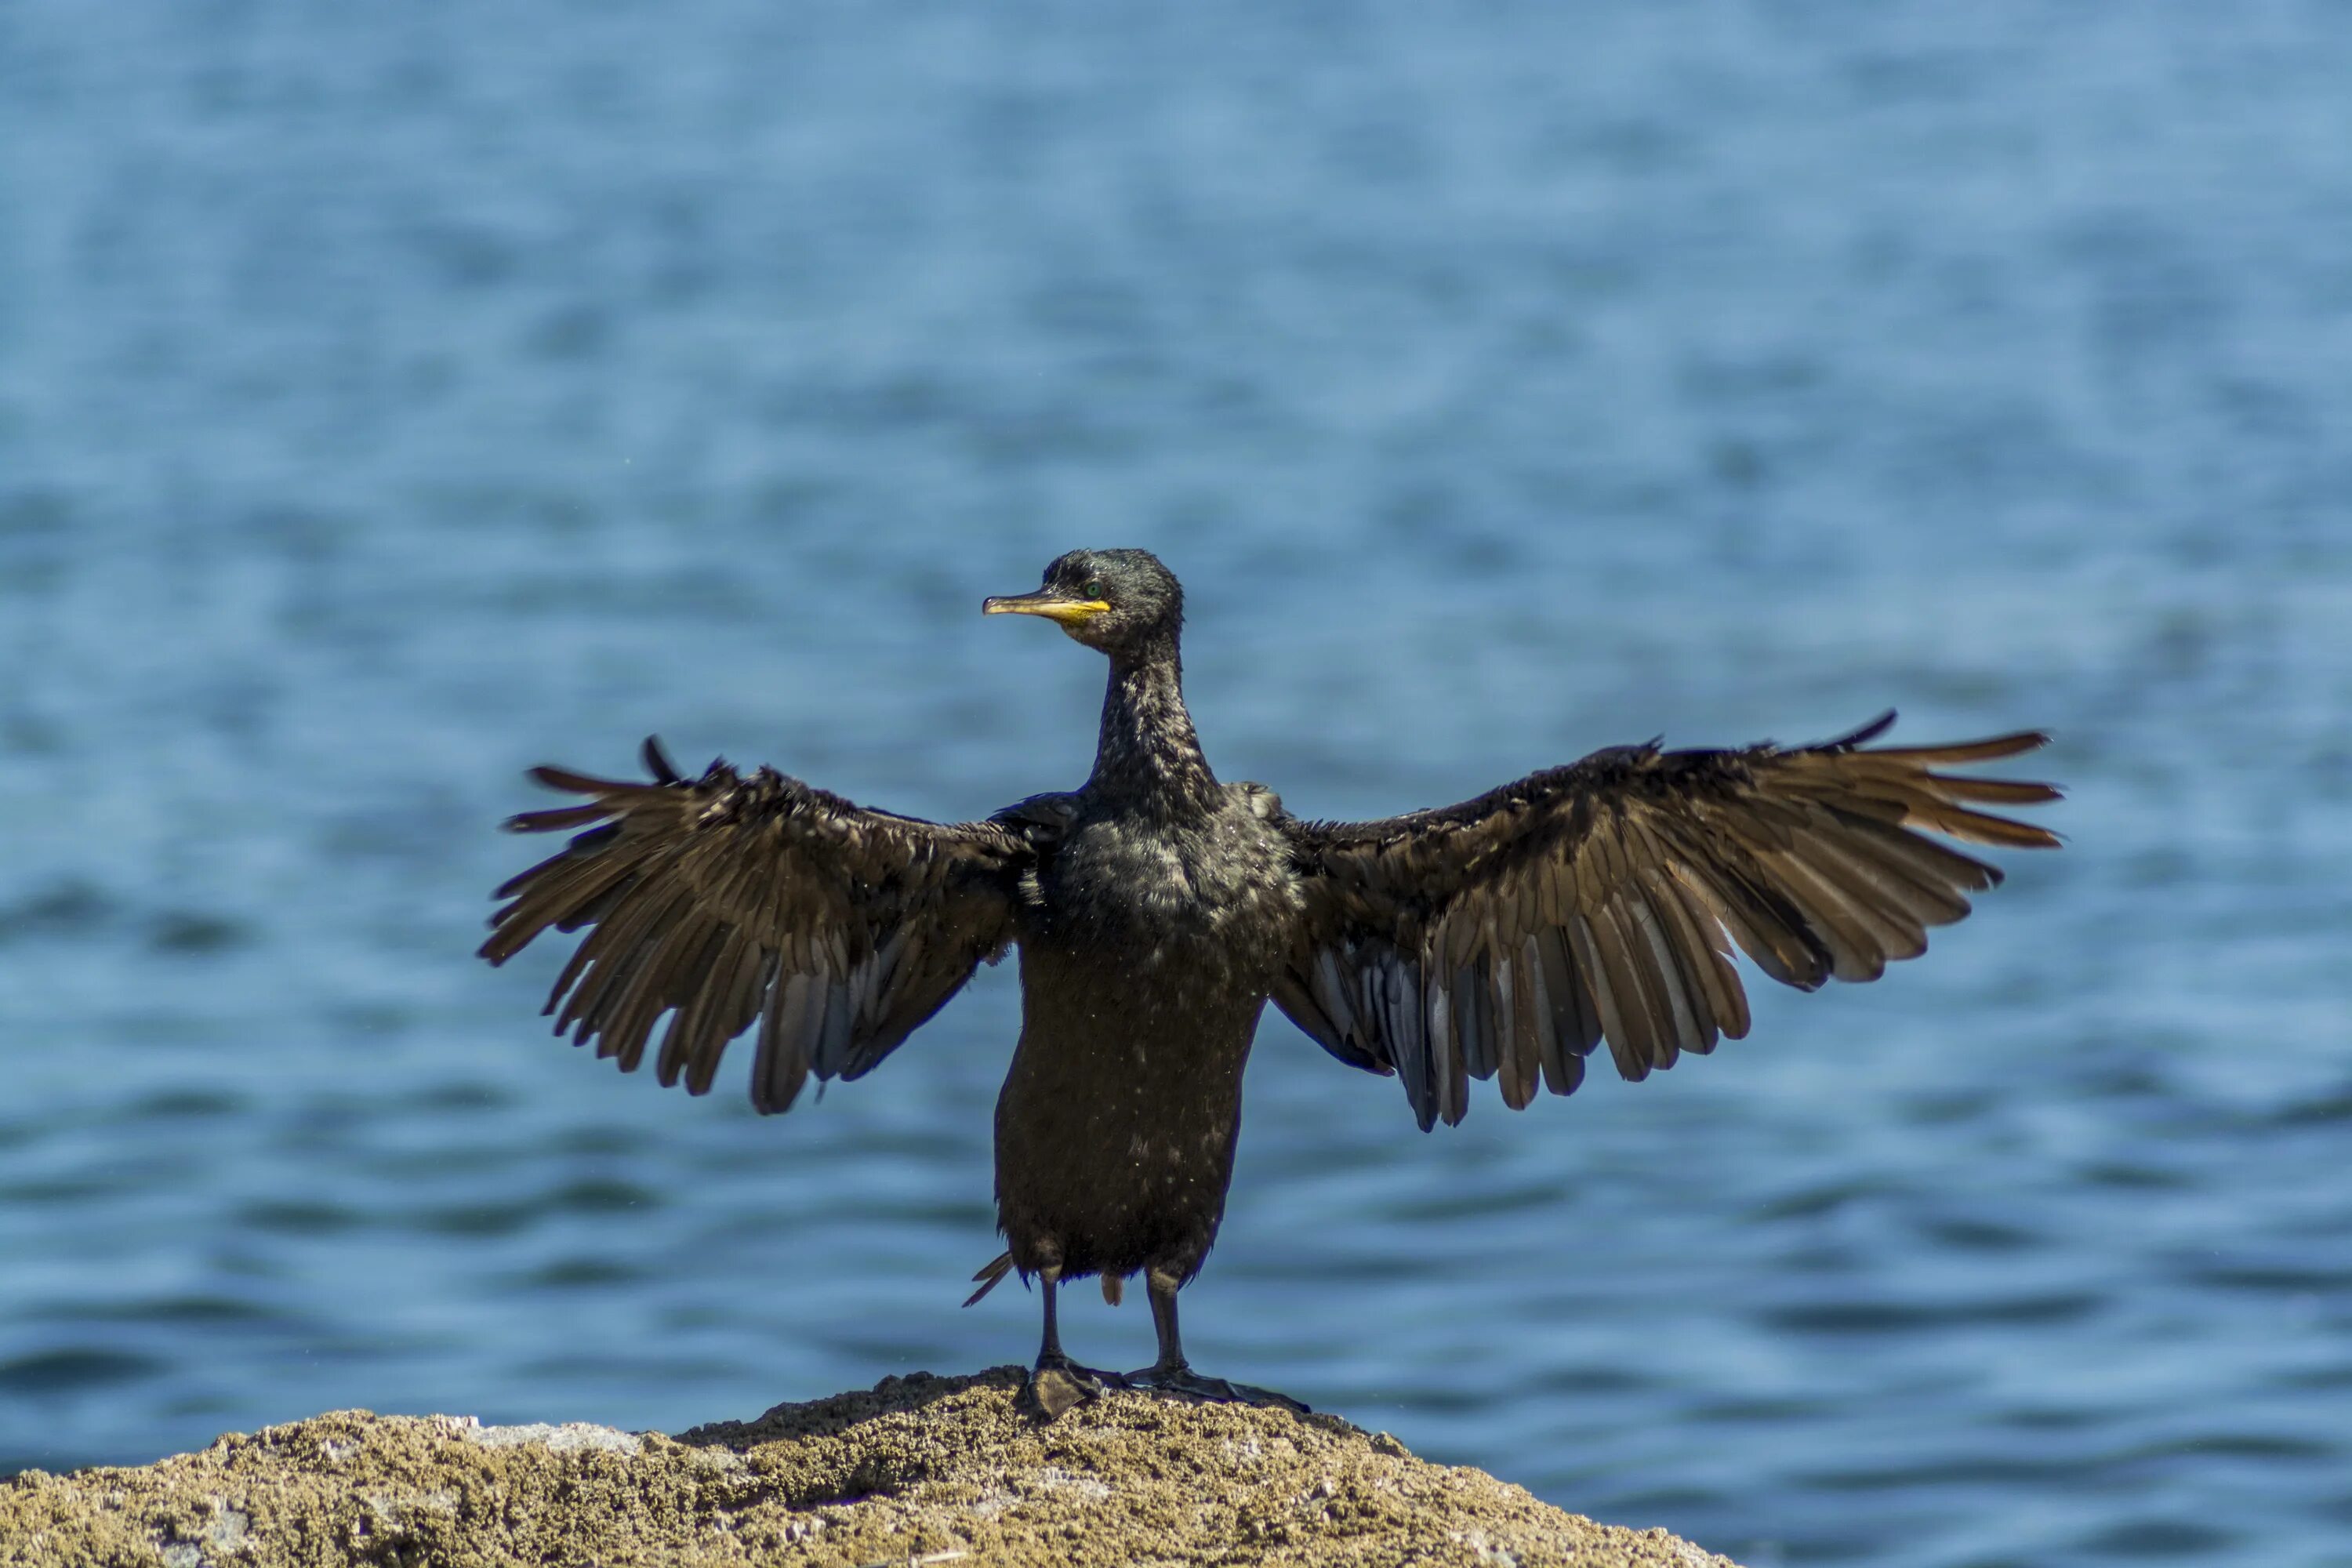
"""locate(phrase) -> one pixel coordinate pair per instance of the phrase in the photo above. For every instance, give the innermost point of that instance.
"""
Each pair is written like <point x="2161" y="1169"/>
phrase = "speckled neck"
<point x="1147" y="752"/>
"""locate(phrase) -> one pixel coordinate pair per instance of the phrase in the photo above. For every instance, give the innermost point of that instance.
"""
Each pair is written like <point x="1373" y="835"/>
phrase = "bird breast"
<point x="1212" y="895"/>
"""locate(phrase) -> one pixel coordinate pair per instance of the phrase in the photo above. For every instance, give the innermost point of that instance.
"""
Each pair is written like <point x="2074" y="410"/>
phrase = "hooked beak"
<point x="1049" y="603"/>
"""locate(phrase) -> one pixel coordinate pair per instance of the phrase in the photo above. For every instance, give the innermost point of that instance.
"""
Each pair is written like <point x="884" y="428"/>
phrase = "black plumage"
<point x="1157" y="910"/>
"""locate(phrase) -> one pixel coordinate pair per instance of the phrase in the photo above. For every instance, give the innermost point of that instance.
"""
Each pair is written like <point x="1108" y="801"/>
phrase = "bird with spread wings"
<point x="1157" y="909"/>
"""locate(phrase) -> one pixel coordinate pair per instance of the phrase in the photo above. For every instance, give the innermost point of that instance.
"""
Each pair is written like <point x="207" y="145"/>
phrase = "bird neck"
<point x="1147" y="749"/>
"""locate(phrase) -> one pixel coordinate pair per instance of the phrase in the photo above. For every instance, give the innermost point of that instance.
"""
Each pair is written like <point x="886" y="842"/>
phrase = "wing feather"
<point x="1576" y="1014"/>
<point x="1703" y="948"/>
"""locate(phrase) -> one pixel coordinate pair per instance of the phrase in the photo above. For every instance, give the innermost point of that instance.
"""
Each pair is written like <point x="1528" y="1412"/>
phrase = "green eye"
<point x="1093" y="590"/>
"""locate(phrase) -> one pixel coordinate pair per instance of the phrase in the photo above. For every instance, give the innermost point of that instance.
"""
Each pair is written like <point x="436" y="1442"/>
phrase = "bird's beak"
<point x="1046" y="602"/>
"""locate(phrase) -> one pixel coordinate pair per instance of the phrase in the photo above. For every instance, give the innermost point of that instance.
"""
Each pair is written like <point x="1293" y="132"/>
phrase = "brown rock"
<point x="921" y="1469"/>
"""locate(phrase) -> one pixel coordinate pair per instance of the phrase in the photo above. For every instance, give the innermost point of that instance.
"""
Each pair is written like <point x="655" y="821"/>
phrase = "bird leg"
<point x="1057" y="1382"/>
<point x="1172" y="1376"/>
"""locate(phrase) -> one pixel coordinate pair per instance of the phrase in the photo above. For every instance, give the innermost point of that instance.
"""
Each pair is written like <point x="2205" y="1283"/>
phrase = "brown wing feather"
<point x="733" y="899"/>
<point x="1510" y="934"/>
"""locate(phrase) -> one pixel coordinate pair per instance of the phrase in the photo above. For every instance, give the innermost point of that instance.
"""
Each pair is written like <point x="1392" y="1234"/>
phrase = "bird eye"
<point x="1093" y="590"/>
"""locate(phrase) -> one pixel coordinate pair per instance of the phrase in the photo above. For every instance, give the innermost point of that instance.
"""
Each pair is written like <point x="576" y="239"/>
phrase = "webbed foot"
<point x="1057" y="1384"/>
<point x="1181" y="1382"/>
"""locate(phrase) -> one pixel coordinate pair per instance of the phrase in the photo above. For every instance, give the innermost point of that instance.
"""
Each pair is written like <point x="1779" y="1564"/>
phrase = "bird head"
<point x="1118" y="600"/>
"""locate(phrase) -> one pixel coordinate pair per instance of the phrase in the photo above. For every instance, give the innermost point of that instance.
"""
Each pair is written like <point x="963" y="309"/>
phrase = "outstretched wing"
<point x="1507" y="936"/>
<point x="732" y="897"/>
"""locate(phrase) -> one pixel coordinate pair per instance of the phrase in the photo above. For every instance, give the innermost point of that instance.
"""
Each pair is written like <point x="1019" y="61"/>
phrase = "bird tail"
<point x="991" y="1275"/>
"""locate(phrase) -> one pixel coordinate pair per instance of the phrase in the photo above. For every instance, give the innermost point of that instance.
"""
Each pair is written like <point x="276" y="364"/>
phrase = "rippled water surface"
<point x="394" y="397"/>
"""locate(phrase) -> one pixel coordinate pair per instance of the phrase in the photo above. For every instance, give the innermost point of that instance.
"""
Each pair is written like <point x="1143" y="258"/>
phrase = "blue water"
<point x="393" y="397"/>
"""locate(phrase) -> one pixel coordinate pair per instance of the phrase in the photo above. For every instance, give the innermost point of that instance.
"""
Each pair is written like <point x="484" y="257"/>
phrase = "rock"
<point x="920" y="1469"/>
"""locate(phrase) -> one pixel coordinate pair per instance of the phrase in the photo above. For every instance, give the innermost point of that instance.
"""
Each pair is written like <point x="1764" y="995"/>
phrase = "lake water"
<point x="391" y="399"/>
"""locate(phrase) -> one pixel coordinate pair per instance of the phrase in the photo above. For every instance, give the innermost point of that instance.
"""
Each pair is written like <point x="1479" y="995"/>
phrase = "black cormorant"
<point x="1157" y="910"/>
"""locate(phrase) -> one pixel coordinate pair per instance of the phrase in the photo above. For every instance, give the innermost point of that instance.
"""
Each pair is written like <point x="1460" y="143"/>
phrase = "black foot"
<point x="1057" y="1384"/>
<point x="1182" y="1382"/>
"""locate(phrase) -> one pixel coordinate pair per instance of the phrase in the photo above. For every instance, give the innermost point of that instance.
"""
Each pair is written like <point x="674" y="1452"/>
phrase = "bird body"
<point x="1151" y="955"/>
<point x="1149" y="933"/>
<point x="1157" y="910"/>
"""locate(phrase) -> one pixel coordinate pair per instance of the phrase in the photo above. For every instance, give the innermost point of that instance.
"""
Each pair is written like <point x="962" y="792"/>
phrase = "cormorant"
<point x="1157" y="910"/>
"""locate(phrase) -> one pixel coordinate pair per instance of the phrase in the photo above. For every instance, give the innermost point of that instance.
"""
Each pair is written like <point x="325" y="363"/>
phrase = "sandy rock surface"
<point x="921" y="1469"/>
